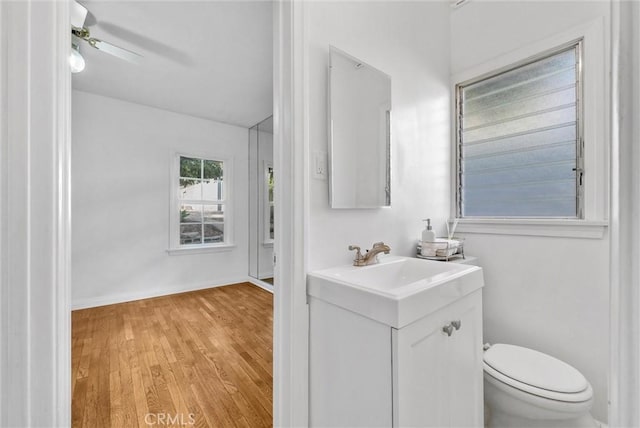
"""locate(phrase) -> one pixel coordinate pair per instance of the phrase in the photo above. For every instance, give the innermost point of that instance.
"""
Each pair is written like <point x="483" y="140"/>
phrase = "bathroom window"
<point x="201" y="202"/>
<point x="519" y="139"/>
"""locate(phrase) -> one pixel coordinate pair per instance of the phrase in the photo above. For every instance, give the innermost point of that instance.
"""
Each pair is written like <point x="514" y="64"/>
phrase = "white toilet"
<point x="525" y="388"/>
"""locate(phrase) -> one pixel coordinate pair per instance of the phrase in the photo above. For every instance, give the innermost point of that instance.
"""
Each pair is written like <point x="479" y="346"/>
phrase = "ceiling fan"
<point x="82" y="33"/>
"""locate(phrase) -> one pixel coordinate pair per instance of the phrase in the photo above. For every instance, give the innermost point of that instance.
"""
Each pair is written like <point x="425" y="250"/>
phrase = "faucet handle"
<point x="357" y="249"/>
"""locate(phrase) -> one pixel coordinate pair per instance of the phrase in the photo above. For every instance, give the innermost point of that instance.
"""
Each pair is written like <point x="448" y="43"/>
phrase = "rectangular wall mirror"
<point x="359" y="133"/>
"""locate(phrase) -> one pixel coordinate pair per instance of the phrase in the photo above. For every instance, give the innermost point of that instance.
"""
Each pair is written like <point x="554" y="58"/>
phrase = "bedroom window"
<point x="201" y="202"/>
<point x="519" y="139"/>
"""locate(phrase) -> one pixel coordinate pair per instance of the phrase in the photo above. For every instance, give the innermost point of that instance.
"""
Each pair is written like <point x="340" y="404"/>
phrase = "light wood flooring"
<point x="202" y="359"/>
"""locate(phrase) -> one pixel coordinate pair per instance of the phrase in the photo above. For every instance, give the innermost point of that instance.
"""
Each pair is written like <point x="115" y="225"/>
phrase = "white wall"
<point x="410" y="42"/>
<point x="550" y="294"/>
<point x="121" y="181"/>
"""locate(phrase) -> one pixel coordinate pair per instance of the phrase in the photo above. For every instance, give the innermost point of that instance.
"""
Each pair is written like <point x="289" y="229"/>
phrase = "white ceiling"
<point x="209" y="59"/>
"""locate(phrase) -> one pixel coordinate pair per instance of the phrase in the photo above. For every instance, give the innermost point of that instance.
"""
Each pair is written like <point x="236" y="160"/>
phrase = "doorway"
<point x="166" y="324"/>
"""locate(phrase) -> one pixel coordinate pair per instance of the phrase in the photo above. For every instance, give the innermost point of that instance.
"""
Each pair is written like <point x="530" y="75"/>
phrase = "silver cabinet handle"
<point x="453" y="326"/>
<point x="448" y="329"/>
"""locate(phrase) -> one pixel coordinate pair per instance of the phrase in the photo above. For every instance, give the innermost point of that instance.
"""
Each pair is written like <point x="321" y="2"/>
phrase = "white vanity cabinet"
<point x="366" y="373"/>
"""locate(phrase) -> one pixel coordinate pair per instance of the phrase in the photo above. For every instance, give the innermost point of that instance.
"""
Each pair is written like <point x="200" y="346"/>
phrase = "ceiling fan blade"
<point x="78" y="14"/>
<point x="116" y="51"/>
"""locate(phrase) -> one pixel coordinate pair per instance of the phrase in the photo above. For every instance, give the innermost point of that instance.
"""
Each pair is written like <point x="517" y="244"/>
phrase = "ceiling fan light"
<point x="76" y="61"/>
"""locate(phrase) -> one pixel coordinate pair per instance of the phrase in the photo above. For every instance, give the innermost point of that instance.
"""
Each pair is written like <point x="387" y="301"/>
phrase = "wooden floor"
<point x="200" y="359"/>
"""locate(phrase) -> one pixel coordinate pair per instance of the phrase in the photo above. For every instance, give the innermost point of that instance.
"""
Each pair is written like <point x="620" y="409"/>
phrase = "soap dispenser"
<point x="428" y="235"/>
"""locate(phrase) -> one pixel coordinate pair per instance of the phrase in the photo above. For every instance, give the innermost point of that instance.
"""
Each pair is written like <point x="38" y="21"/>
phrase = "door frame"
<point x="35" y="325"/>
<point x="624" y="343"/>
<point x="291" y="315"/>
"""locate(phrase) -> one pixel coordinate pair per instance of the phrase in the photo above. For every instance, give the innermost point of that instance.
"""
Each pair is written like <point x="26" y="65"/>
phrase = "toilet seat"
<point x="536" y="373"/>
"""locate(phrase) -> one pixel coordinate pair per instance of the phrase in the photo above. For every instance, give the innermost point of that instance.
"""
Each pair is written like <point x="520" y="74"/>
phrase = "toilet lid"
<point x="535" y="369"/>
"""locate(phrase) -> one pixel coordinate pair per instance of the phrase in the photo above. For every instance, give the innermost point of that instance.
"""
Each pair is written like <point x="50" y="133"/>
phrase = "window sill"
<point x="559" y="228"/>
<point x="200" y="249"/>
<point x="267" y="244"/>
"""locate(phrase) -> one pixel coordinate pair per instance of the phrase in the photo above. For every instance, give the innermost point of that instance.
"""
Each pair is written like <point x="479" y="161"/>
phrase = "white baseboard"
<point x="261" y="284"/>
<point x="93" y="302"/>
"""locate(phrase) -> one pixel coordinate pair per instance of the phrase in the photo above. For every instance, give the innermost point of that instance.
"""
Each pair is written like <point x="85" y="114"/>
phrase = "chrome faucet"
<point x="371" y="256"/>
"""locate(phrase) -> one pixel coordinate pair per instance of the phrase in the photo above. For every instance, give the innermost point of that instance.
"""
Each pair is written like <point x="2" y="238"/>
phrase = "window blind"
<point x="518" y="140"/>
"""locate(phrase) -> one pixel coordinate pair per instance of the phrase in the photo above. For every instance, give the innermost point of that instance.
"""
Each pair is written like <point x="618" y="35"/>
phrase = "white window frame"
<point x="596" y="108"/>
<point x="574" y="45"/>
<point x="175" y="248"/>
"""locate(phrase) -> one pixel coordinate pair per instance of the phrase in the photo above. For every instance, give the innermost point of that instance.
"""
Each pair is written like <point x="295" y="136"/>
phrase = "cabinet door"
<point x="437" y="377"/>
<point x="420" y="367"/>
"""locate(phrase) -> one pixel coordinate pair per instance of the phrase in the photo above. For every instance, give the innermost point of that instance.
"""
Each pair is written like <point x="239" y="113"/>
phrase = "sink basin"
<point x="398" y="290"/>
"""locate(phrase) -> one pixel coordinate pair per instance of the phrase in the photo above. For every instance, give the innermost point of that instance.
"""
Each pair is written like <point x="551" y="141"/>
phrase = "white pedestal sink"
<point x="396" y="344"/>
